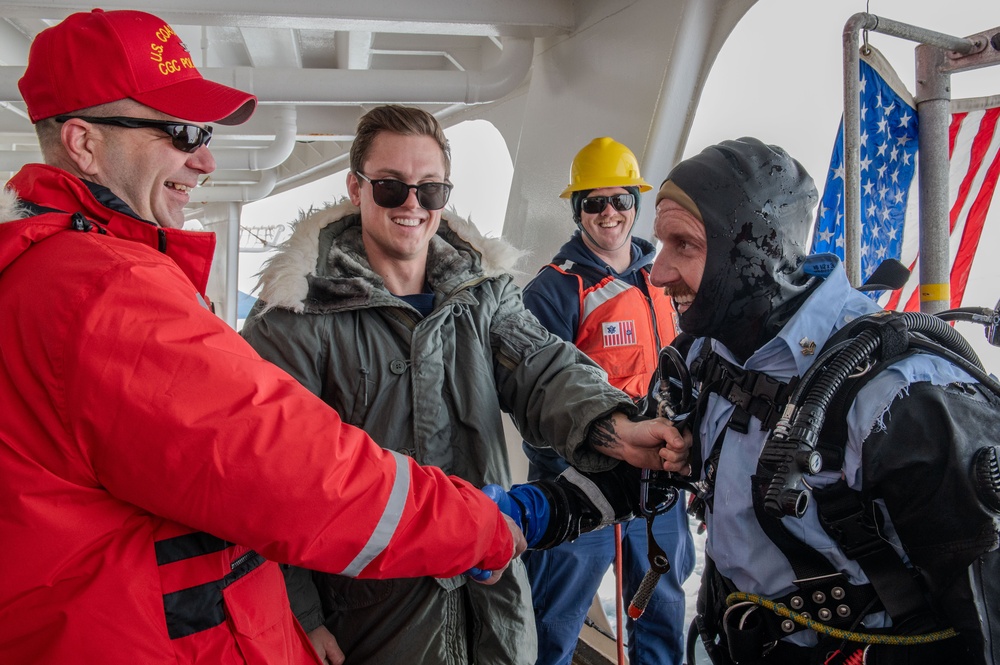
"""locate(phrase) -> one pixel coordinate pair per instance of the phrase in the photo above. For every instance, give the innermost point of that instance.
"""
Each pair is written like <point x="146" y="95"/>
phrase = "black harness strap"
<point x="753" y="393"/>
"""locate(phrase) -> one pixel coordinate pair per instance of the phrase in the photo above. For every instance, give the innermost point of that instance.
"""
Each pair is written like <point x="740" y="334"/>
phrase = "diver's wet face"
<point x="680" y="261"/>
<point x="754" y="203"/>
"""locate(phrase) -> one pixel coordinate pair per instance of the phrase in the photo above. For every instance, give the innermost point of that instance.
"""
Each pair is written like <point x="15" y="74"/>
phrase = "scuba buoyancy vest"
<point x="808" y="423"/>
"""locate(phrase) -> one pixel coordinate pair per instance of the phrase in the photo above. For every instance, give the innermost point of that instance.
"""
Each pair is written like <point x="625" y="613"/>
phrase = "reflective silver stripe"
<point x="387" y="524"/>
<point x="598" y="297"/>
<point x="588" y="487"/>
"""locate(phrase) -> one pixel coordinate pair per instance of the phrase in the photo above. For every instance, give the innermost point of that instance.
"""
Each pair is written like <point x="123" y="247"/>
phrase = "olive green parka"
<point x="433" y="387"/>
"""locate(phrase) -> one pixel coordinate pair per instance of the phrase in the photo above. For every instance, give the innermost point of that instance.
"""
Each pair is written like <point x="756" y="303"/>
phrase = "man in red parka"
<point x="152" y="465"/>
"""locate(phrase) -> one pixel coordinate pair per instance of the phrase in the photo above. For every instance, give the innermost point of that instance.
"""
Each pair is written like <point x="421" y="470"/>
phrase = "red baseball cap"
<point x="98" y="57"/>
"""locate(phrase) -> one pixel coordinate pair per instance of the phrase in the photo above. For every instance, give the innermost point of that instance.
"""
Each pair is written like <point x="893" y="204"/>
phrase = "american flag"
<point x="619" y="333"/>
<point x="888" y="159"/>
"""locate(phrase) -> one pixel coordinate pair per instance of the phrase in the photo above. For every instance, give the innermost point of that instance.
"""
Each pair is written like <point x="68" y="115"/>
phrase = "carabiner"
<point x="675" y="393"/>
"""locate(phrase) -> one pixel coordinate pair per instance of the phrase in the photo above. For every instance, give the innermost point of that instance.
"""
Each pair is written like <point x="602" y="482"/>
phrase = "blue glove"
<point x="532" y="505"/>
<point x="527" y="506"/>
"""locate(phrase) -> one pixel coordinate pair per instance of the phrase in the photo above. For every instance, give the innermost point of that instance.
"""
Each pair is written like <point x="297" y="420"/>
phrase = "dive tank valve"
<point x="993" y="327"/>
<point x="790" y="453"/>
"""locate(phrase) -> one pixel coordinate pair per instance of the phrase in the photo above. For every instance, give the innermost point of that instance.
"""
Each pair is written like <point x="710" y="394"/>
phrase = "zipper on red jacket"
<point x="246" y="556"/>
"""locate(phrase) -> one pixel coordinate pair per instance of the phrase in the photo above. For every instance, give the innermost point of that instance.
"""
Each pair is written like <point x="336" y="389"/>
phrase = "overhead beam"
<point x="271" y="48"/>
<point x="354" y="50"/>
<point x="514" y="18"/>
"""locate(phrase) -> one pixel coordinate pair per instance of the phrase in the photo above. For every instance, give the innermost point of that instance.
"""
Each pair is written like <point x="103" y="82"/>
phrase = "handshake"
<point x="551" y="512"/>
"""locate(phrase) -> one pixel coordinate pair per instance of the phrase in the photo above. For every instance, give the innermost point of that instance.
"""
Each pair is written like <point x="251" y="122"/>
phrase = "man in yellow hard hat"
<point x="596" y="293"/>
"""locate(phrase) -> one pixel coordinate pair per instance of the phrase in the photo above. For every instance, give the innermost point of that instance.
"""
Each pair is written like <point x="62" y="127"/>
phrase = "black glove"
<point x="582" y="502"/>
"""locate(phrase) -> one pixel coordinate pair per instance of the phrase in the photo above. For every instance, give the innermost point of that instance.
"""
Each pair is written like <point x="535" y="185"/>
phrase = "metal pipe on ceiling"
<point x="261" y="159"/>
<point x="374" y="86"/>
<point x="339" y="86"/>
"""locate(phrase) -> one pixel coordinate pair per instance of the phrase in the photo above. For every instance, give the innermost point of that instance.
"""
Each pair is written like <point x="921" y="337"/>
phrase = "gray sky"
<point x="797" y="100"/>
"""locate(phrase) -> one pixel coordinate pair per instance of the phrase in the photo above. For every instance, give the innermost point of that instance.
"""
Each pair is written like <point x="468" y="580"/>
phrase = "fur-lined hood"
<point x="15" y="239"/>
<point x="10" y="210"/>
<point x="299" y="279"/>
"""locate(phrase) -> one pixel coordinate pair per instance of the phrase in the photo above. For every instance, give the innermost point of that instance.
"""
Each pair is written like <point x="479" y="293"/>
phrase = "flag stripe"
<point x="977" y="152"/>
<point x="988" y="147"/>
<point x="958" y="166"/>
<point x="889" y="225"/>
<point x="973" y="140"/>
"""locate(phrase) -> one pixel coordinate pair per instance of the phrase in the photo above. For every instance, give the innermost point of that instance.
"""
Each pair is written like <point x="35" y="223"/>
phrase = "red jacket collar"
<point x="51" y="187"/>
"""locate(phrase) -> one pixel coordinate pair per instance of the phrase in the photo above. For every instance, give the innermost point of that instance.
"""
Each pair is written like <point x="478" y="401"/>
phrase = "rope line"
<point x="850" y="636"/>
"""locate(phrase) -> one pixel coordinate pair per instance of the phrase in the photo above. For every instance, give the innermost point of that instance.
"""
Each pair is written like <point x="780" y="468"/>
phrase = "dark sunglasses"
<point x="186" y="138"/>
<point x="389" y="193"/>
<point x="595" y="205"/>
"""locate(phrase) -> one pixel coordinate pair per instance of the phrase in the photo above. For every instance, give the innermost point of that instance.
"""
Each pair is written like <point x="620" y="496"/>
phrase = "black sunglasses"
<point x="595" y="205"/>
<point x="389" y="193"/>
<point x="186" y="138"/>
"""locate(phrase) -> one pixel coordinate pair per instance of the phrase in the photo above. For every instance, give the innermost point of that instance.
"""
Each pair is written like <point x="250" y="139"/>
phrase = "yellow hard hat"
<point x="604" y="162"/>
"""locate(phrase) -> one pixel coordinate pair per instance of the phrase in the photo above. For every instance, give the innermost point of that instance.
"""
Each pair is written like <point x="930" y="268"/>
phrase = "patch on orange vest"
<point x="618" y="333"/>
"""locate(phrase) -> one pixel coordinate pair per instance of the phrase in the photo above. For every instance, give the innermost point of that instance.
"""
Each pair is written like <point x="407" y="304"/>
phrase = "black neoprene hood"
<point x="756" y="203"/>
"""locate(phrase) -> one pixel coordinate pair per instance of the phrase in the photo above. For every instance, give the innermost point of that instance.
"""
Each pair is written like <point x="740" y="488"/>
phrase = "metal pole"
<point x="232" y="278"/>
<point x="933" y="109"/>
<point x="852" y="145"/>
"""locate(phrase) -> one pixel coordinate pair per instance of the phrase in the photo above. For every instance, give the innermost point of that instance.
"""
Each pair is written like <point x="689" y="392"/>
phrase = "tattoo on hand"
<point x="603" y="435"/>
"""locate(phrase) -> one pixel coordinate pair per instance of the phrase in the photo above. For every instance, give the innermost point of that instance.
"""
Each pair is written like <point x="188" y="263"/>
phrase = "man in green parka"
<point x="406" y="320"/>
